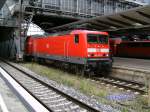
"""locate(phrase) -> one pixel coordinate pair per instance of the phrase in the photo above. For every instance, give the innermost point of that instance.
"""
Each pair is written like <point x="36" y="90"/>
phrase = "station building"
<point x="47" y="14"/>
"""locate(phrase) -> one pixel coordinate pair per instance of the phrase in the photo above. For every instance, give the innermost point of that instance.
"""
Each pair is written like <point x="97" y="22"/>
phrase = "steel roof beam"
<point x="143" y="14"/>
<point x="114" y="22"/>
<point x="134" y="20"/>
<point x="118" y="21"/>
<point x="94" y="27"/>
<point x="99" y="24"/>
<point x="109" y="23"/>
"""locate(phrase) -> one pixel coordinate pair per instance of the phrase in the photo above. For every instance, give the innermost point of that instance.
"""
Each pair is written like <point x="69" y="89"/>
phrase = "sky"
<point x="147" y="1"/>
<point x="34" y="30"/>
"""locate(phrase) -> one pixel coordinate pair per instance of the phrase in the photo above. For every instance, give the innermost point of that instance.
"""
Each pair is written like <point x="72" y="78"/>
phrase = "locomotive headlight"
<point x="107" y="55"/>
<point x="89" y="55"/>
<point x="91" y="49"/>
<point x="104" y="50"/>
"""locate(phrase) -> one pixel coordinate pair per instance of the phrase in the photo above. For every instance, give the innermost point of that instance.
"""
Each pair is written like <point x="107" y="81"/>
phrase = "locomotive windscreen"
<point x="97" y="38"/>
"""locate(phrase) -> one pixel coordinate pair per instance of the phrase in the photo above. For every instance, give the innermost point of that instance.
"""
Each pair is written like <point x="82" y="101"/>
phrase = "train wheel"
<point x="80" y="70"/>
<point x="28" y="58"/>
<point x="70" y="68"/>
<point x="41" y="61"/>
<point x="83" y="68"/>
<point x="91" y="73"/>
<point x="77" y="70"/>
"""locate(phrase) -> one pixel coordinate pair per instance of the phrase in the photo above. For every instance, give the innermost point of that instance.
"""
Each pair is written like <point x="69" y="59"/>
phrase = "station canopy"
<point x="131" y="19"/>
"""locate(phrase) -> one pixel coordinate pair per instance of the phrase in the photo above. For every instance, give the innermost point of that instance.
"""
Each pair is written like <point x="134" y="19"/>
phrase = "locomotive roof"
<point x="88" y="31"/>
<point x="70" y="32"/>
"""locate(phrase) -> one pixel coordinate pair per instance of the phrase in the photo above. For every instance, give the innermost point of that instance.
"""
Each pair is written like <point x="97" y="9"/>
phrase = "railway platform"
<point x="9" y="102"/>
<point x="140" y="64"/>
<point x="137" y="70"/>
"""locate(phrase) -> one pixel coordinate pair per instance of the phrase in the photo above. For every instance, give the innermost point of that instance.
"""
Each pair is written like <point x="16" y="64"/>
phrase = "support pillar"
<point x="17" y="39"/>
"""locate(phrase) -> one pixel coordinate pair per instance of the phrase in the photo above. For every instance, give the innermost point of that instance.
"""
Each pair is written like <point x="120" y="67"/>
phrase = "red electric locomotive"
<point x="87" y="49"/>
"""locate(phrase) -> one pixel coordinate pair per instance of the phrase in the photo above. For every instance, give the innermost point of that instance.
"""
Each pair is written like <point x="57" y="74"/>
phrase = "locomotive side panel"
<point x="40" y="46"/>
<point x="67" y="48"/>
<point x="77" y="46"/>
<point x="57" y="45"/>
<point x="29" y="46"/>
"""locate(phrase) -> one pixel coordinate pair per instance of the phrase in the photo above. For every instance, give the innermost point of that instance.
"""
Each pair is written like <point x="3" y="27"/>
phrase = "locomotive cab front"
<point x="98" y="54"/>
<point x="97" y="46"/>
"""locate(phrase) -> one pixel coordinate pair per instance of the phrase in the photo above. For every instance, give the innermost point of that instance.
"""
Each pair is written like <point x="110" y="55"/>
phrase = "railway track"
<point x="128" y="85"/>
<point x="52" y="98"/>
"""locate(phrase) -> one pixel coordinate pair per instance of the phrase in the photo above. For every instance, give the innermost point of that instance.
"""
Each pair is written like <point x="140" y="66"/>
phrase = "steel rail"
<point x="30" y="102"/>
<point x="76" y="101"/>
<point x="130" y="85"/>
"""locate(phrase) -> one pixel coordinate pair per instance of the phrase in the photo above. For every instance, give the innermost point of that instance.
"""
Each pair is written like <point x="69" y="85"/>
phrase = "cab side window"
<point x="76" y="39"/>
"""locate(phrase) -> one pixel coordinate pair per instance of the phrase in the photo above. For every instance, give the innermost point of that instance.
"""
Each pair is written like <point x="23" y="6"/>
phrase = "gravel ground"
<point x="118" y="98"/>
<point x="74" y="93"/>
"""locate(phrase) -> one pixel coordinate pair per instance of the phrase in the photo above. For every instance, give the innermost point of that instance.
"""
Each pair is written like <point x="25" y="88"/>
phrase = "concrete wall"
<point x="7" y="43"/>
